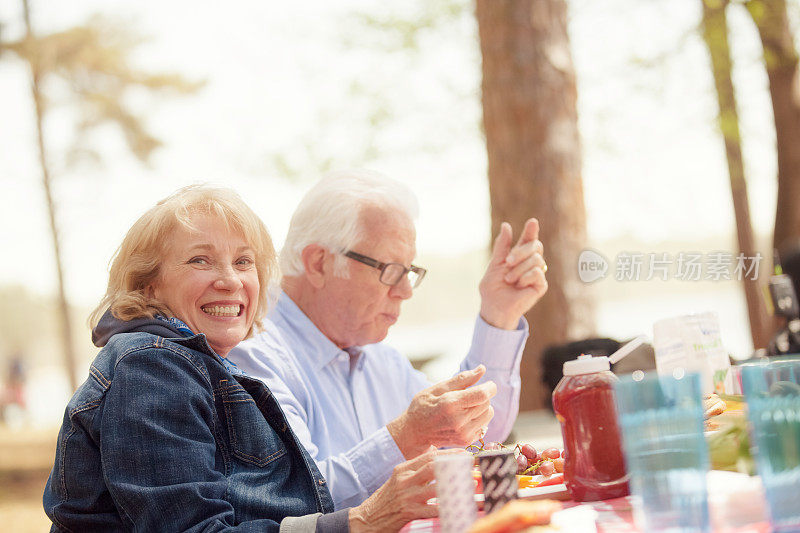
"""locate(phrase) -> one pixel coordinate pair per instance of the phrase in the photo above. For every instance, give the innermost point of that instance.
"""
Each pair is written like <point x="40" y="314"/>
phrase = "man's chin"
<point x="378" y="336"/>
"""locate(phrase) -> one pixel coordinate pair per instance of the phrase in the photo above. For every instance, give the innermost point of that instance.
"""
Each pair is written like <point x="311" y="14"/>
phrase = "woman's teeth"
<point x="222" y="310"/>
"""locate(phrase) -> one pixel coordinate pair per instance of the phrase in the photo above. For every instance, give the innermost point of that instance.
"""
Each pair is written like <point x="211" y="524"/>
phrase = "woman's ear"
<point x="315" y="265"/>
<point x="150" y="290"/>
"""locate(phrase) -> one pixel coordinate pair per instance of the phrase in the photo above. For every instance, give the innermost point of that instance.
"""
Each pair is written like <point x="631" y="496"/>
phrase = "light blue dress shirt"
<point x="340" y="414"/>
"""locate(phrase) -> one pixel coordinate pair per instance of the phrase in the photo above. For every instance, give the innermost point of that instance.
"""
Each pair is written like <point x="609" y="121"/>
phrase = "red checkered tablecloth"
<point x="613" y="516"/>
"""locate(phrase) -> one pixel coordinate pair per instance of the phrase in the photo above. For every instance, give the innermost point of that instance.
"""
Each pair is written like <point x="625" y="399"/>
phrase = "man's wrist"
<point x="400" y="431"/>
<point x="356" y="520"/>
<point x="499" y="320"/>
<point x="395" y="429"/>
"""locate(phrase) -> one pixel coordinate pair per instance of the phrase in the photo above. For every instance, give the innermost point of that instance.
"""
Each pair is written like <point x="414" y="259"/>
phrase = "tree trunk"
<point x="530" y="120"/>
<point x="63" y="306"/>
<point x="781" y="62"/>
<point x="715" y="34"/>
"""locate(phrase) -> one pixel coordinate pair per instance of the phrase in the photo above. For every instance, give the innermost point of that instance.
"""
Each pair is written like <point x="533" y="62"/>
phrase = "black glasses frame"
<point x="415" y="280"/>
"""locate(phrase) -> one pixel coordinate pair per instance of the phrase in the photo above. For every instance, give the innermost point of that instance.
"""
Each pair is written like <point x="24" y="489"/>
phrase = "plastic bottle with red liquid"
<point x="594" y="467"/>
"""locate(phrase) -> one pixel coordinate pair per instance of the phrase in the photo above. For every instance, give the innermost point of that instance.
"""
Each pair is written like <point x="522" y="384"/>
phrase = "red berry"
<point x="558" y="464"/>
<point x="528" y="451"/>
<point x="522" y="464"/>
<point x="546" y="468"/>
<point x="551" y="453"/>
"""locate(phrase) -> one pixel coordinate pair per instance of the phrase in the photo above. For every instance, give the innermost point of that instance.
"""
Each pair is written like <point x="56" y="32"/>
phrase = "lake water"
<point x="620" y="318"/>
<point x="449" y="340"/>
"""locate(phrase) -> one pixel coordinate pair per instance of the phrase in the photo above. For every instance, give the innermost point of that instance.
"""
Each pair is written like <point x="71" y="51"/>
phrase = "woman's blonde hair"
<point x="137" y="262"/>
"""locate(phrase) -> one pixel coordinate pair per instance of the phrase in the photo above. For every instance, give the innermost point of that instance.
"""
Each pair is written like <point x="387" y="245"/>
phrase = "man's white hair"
<point x="330" y="215"/>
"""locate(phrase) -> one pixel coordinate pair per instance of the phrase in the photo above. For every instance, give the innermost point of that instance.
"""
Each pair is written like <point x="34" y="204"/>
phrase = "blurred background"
<point x="626" y="126"/>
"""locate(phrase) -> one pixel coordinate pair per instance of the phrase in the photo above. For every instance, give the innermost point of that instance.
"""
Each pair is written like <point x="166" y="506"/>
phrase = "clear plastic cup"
<point x="772" y="392"/>
<point x="661" y="420"/>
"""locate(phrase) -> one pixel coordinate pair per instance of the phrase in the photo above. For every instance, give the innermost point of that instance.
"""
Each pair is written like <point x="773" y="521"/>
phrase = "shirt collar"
<point x="357" y="352"/>
<point x="321" y="349"/>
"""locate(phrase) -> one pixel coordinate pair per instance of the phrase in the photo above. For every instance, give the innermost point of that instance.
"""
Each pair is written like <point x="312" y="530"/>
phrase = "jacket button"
<point x="321" y="482"/>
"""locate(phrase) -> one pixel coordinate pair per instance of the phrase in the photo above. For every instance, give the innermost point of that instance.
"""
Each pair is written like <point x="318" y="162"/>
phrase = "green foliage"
<point x="394" y="45"/>
<point x="95" y="62"/>
<point x="403" y="31"/>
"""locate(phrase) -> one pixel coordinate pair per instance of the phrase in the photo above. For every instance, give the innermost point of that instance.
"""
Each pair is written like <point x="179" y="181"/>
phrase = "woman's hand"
<point x="401" y="499"/>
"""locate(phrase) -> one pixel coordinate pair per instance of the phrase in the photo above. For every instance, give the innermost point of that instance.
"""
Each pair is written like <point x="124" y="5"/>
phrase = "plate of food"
<point x="538" y="488"/>
<point x="551" y="487"/>
<point x="539" y="474"/>
<point x="720" y="411"/>
<point x="518" y="516"/>
<point x="540" y="516"/>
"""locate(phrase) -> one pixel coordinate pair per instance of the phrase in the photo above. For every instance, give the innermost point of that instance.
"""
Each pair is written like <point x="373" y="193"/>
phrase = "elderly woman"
<point x="166" y="434"/>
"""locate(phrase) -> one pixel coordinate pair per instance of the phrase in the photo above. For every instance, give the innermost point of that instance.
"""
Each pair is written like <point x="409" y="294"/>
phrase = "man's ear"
<point x="314" y="262"/>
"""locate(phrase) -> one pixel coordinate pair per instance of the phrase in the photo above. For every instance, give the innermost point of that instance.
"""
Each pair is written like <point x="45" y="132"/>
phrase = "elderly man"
<point x="356" y="404"/>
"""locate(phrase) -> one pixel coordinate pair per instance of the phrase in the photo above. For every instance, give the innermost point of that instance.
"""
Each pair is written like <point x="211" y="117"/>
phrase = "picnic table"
<point x="613" y="516"/>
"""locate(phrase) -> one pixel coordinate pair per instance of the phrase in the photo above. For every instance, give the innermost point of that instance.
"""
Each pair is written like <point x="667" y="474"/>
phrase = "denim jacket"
<point x="161" y="437"/>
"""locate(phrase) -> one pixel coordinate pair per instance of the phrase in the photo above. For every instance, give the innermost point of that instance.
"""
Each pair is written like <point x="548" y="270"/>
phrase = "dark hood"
<point x="110" y="325"/>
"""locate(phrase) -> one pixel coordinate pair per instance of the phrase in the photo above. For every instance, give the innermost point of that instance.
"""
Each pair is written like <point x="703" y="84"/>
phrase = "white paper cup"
<point x="455" y="491"/>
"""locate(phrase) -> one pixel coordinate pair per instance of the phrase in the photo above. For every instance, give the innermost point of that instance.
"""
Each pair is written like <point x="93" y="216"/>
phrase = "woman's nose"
<point x="227" y="279"/>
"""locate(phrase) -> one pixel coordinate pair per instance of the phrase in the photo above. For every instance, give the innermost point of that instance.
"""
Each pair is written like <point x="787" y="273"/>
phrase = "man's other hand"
<point x="401" y="499"/>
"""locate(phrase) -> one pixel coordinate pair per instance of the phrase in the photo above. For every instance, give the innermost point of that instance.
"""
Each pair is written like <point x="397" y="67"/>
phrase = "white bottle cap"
<point x="586" y="364"/>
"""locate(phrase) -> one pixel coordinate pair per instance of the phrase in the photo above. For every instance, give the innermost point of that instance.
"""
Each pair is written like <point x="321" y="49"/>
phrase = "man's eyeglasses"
<point x="391" y="273"/>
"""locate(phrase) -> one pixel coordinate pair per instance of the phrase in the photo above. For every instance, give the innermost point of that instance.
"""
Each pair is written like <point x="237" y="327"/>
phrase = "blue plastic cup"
<point x="772" y="392"/>
<point x="661" y="420"/>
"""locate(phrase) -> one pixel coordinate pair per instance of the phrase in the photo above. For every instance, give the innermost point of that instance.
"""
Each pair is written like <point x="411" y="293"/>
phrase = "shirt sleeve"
<point x="300" y="524"/>
<point x="158" y="448"/>
<point x="500" y="351"/>
<point x="336" y="522"/>
<point x="353" y="475"/>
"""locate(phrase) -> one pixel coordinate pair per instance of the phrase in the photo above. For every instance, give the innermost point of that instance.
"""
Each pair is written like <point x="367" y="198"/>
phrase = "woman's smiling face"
<point x="209" y="279"/>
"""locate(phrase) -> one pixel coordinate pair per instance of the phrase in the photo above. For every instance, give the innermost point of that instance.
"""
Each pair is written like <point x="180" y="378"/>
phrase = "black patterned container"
<point x="499" y="473"/>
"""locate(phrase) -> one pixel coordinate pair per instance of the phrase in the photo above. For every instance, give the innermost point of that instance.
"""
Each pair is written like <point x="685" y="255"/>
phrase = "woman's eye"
<point x="198" y="260"/>
<point x="244" y="262"/>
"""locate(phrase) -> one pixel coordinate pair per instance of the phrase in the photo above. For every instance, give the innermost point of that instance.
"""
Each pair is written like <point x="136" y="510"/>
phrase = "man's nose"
<point x="402" y="289"/>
